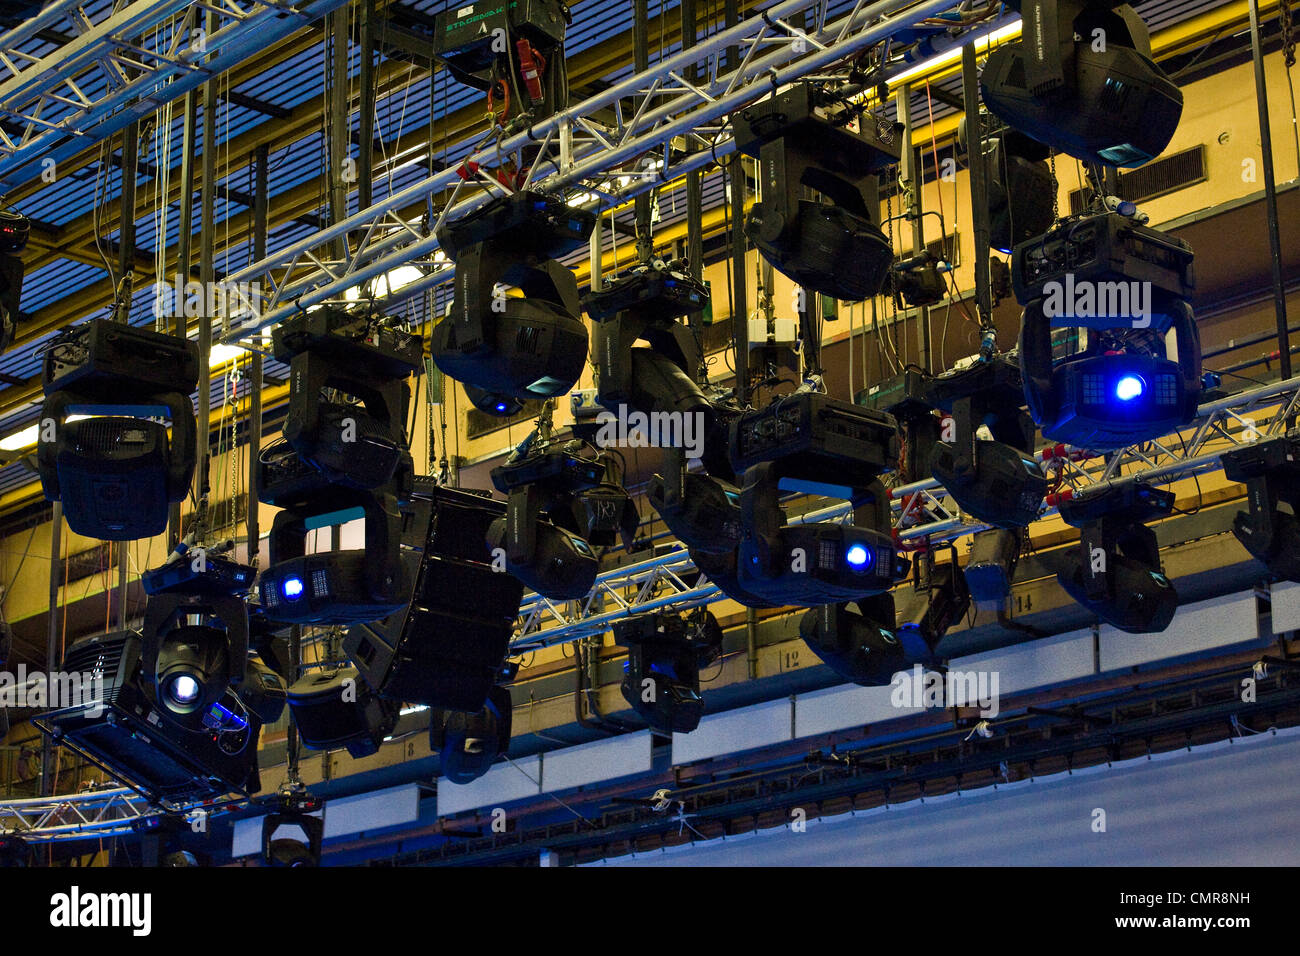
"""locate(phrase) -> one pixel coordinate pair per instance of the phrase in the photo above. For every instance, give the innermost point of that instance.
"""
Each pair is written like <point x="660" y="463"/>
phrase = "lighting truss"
<point x="587" y="152"/>
<point x="98" y="813"/>
<point x="122" y="66"/>
<point x="923" y="512"/>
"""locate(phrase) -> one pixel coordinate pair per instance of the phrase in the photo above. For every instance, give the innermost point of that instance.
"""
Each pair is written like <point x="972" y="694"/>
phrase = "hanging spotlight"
<point x="1271" y="474"/>
<point x="532" y="347"/>
<point x="1021" y="190"/>
<point x="338" y="709"/>
<point x="1115" y="570"/>
<point x="14" y="230"/>
<point x="991" y="567"/>
<point x="1122" y="287"/>
<point x="808" y="137"/>
<point x="856" y="639"/>
<point x="1107" y="102"/>
<point x="295" y="812"/>
<point x="468" y="744"/>
<point x="996" y="480"/>
<point x="939" y="599"/>
<point x="666" y="651"/>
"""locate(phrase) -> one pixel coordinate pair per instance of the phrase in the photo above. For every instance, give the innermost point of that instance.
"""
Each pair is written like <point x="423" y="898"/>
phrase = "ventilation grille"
<point x="1158" y="178"/>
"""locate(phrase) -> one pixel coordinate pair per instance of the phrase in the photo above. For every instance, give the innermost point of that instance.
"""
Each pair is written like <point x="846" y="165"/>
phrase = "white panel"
<point x="1286" y="607"/>
<point x="1038" y="663"/>
<point x="837" y="708"/>
<point x="600" y="760"/>
<point x="1196" y="627"/>
<point x="372" y="811"/>
<point x="246" y="839"/>
<point x="737" y="730"/>
<point x="503" y="783"/>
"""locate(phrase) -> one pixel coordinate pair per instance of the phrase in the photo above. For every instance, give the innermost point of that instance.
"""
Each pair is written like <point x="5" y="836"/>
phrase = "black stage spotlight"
<point x="14" y="230"/>
<point x="1271" y="474"/>
<point x="446" y="647"/>
<point x="1021" y="189"/>
<point x="991" y="566"/>
<point x="939" y="599"/>
<point x="515" y="53"/>
<point x="808" y="137"/>
<point x="468" y="744"/>
<point x="295" y="812"/>
<point x="348" y="396"/>
<point x="1122" y="287"/>
<point x="996" y="480"/>
<point x="1115" y="571"/>
<point x="856" y="639"/>
<point x="123" y="730"/>
<point x="522" y="348"/>
<point x="1085" y="84"/>
<point x="494" y="403"/>
<point x="906" y="396"/>
<point x="662" y="676"/>
<point x="14" y="851"/>
<point x="334" y="709"/>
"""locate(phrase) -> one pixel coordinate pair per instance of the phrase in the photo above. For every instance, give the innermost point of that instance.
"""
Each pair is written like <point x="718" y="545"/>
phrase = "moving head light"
<point x="939" y="599"/>
<point x="195" y="647"/>
<point x="468" y="744"/>
<point x="1097" y="96"/>
<point x="998" y="480"/>
<point x="665" y="654"/>
<point x="1271" y="474"/>
<point x="1128" y="286"/>
<point x="338" y="709"/>
<point x="802" y="138"/>
<point x="856" y="639"/>
<point x="14" y="230"/>
<point x="522" y="348"/>
<point x="1115" y="571"/>
<point x="1021" y="188"/>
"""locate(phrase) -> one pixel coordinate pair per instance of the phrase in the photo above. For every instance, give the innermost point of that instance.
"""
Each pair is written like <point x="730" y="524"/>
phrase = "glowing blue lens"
<point x="1129" y="387"/>
<point x="293" y="588"/>
<point x="501" y="406"/>
<point x="858" y="557"/>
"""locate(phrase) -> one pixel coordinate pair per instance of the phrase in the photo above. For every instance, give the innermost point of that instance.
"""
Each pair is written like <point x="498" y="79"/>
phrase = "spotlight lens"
<point x="293" y="588"/>
<point x="501" y="406"/>
<point x="1129" y="387"/>
<point x="858" y="557"/>
<point x="184" y="689"/>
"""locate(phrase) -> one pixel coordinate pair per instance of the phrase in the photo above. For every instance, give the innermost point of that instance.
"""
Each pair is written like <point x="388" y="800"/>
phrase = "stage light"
<point x="856" y="639"/>
<point x="996" y="480"/>
<point x="939" y="599"/>
<point x="292" y="588"/>
<point x="294" y="811"/>
<point x="859" y="557"/>
<point x="991" y="567"/>
<point x="501" y="407"/>
<point x="511" y="347"/>
<point x="14" y="852"/>
<point x="1129" y="387"/>
<point x="1271" y="474"/>
<point x="666" y="651"/>
<point x="338" y="709"/>
<point x="14" y="230"/>
<point x="126" y="731"/>
<point x="445" y="648"/>
<point x="1115" y="570"/>
<point x="468" y="744"/>
<point x="1106" y="103"/>
<point x="805" y="137"/>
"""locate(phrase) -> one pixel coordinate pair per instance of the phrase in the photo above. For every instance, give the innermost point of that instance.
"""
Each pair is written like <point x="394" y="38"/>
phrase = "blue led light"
<point x="501" y="406"/>
<point x="1129" y="387"/>
<point x="185" y="689"/>
<point x="858" y="556"/>
<point x="293" y="588"/>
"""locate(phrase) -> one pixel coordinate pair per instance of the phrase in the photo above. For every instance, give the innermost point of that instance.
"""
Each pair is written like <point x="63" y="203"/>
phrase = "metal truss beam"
<point x="587" y="155"/>
<point x="124" y="67"/>
<point x="97" y="813"/>
<point x="925" y="515"/>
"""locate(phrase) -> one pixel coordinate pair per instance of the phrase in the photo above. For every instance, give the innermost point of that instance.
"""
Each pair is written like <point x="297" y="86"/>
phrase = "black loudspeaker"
<point x="338" y="709"/>
<point x="122" y="731"/>
<point x="446" y="648"/>
<point x="469" y="744"/>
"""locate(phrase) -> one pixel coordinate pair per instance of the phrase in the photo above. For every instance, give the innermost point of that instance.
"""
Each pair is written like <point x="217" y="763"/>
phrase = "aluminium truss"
<point x="122" y="66"/>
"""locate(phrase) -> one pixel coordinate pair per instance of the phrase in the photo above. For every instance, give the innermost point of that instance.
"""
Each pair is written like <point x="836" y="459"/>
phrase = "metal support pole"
<point x="339" y="126"/>
<point x="979" y="185"/>
<point x="1270" y="195"/>
<point x="52" y="661"/>
<point x="739" y="281"/>
<point x="641" y="59"/>
<point x="183" y="262"/>
<point x="252" y="529"/>
<point x="125" y="268"/>
<point x="911" y="174"/>
<point x="207" y="274"/>
<point x="366" y="106"/>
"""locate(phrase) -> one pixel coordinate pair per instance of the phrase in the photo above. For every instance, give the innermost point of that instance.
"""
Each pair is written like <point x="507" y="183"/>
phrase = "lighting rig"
<point x="14" y="231"/>
<point x="298" y="811"/>
<point x="1115" y="570"/>
<point x="337" y="708"/>
<point x="858" y="639"/>
<point x="812" y="137"/>
<point x="997" y="479"/>
<point x="118" y="471"/>
<point x="1021" y="187"/>
<point x="1271" y="473"/>
<point x="344" y="455"/>
<point x="661" y="679"/>
<point x="506" y="349"/>
<point x="469" y="743"/>
<point x="1126" y="286"/>
<point x="514" y="52"/>
<point x="1082" y="81"/>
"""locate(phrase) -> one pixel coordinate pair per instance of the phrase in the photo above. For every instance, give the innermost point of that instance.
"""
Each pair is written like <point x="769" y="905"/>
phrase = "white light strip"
<point x="1009" y="32"/>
